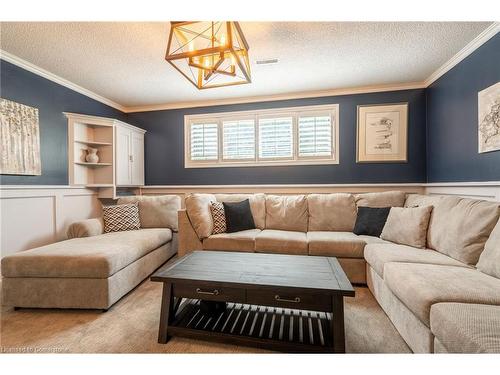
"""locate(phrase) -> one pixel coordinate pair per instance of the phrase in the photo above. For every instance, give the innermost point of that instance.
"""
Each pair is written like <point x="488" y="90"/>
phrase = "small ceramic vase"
<point x="91" y="156"/>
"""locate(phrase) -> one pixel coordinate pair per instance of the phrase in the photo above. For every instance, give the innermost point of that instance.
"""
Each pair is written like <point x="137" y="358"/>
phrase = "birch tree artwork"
<point x="19" y="139"/>
<point x="489" y="118"/>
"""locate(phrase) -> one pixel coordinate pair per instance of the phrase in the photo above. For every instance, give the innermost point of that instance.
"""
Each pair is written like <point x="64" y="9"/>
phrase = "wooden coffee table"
<point x="289" y="303"/>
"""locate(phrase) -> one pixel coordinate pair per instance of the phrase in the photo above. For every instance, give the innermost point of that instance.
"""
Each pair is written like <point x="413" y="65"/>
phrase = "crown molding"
<point x="477" y="42"/>
<point x="482" y="38"/>
<point x="9" y="57"/>
<point x="269" y="98"/>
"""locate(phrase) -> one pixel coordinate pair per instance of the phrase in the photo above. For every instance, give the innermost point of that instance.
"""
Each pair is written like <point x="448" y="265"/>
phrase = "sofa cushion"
<point x="237" y="241"/>
<point x="489" y="261"/>
<point x="281" y="242"/>
<point x="381" y="199"/>
<point x="257" y="205"/>
<point x="421" y="200"/>
<point x="466" y="328"/>
<point x="407" y="226"/>
<point x="90" y="257"/>
<point x="460" y="227"/>
<point x="286" y="212"/>
<point x="377" y="255"/>
<point x="198" y="210"/>
<point x="337" y="244"/>
<point x="156" y="211"/>
<point x="331" y="212"/>
<point x="419" y="286"/>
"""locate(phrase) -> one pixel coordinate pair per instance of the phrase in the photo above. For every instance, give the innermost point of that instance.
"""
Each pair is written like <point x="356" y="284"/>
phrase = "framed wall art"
<point x="19" y="139"/>
<point x="382" y="133"/>
<point x="489" y="118"/>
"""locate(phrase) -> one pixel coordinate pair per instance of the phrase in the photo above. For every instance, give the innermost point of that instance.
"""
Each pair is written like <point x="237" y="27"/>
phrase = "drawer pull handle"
<point x="215" y="292"/>
<point x="295" y="300"/>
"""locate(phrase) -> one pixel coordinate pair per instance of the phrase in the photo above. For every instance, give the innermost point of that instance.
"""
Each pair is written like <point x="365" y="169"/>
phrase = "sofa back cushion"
<point x="257" y="205"/>
<point x="199" y="213"/>
<point x="156" y="211"/>
<point x="331" y="212"/>
<point x="460" y="227"/>
<point x="489" y="261"/>
<point x="381" y="199"/>
<point x="286" y="212"/>
<point x="421" y="200"/>
<point x="407" y="226"/>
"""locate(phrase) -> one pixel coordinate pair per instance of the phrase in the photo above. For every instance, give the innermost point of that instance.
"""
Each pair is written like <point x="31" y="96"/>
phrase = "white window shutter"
<point x="238" y="139"/>
<point x="276" y="138"/>
<point x="204" y="141"/>
<point x="315" y="136"/>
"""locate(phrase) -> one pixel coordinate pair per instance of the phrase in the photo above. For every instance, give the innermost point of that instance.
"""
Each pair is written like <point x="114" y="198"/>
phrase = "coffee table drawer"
<point x="292" y="300"/>
<point x="209" y="293"/>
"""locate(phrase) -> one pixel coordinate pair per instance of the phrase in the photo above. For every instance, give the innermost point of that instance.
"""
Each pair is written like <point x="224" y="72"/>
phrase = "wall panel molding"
<point x="36" y="215"/>
<point x="487" y="190"/>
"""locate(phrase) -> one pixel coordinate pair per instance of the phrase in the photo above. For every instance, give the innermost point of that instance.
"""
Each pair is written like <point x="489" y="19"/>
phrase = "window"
<point x="288" y="136"/>
<point x="315" y="136"/>
<point x="276" y="138"/>
<point x="204" y="141"/>
<point x="238" y="139"/>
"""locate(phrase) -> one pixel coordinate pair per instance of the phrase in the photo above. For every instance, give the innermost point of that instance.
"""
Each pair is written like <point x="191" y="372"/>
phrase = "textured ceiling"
<point x="124" y="62"/>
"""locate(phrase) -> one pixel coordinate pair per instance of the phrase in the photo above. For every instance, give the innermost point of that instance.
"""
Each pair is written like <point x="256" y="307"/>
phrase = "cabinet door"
<point x="137" y="158"/>
<point x="123" y="155"/>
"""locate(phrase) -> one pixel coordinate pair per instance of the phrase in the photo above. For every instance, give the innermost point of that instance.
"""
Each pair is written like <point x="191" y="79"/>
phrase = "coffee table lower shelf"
<point x="252" y="325"/>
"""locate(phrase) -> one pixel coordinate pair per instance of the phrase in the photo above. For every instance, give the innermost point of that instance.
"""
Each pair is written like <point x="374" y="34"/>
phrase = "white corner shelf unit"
<point x="120" y="147"/>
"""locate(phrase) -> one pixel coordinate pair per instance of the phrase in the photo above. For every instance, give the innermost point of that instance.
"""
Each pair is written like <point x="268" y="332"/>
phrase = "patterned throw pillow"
<point x="218" y="217"/>
<point x="121" y="217"/>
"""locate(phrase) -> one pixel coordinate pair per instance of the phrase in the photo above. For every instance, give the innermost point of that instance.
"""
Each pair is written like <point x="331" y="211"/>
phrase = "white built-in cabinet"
<point x="120" y="147"/>
<point x="129" y="156"/>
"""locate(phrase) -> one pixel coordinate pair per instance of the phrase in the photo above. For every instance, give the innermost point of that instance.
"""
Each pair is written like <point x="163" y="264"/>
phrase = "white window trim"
<point x="256" y="162"/>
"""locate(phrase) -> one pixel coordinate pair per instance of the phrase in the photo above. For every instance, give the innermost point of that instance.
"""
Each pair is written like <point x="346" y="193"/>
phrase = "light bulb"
<point x="191" y="46"/>
<point x="207" y="63"/>
<point x="223" y="39"/>
<point x="233" y="60"/>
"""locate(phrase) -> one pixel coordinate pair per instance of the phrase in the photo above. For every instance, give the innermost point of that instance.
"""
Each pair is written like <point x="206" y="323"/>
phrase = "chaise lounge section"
<point x="93" y="269"/>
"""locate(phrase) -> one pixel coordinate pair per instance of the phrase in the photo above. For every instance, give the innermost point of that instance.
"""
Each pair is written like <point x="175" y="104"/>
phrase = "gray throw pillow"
<point x="407" y="226"/>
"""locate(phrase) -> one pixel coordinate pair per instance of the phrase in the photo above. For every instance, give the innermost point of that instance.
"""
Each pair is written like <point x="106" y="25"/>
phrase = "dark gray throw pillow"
<point x="238" y="216"/>
<point x="371" y="221"/>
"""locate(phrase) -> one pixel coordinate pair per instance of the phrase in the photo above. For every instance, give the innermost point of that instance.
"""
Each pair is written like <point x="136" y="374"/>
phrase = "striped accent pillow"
<point x="121" y="217"/>
<point x="218" y="218"/>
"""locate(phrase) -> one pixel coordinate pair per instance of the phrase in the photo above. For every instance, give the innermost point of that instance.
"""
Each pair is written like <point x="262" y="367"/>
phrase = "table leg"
<point x="338" y="332"/>
<point x="167" y="313"/>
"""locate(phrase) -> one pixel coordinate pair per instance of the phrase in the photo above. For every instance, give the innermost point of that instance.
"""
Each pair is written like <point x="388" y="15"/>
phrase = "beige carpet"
<point x="131" y="325"/>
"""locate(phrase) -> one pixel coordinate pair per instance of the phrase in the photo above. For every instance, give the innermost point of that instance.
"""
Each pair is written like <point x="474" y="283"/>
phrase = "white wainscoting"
<point x="489" y="190"/>
<point x="33" y="216"/>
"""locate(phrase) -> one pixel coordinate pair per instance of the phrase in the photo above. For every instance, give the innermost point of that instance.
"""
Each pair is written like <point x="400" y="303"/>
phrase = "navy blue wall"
<point x="446" y="151"/>
<point x="52" y="100"/>
<point x="165" y="147"/>
<point x="452" y="139"/>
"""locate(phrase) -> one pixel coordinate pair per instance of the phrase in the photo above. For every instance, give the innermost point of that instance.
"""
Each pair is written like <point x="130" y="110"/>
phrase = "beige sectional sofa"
<point x="435" y="296"/>
<point x="92" y="269"/>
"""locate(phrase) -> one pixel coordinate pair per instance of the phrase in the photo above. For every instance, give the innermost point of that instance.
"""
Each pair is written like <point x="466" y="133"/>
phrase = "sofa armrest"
<point x="188" y="239"/>
<point x="86" y="228"/>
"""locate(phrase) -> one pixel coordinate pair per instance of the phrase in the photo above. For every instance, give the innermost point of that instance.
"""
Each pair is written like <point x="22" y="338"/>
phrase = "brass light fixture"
<point x="209" y="54"/>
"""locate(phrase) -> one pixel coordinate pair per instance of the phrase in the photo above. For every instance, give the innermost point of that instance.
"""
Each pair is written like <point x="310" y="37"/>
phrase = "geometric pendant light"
<point x="209" y="54"/>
